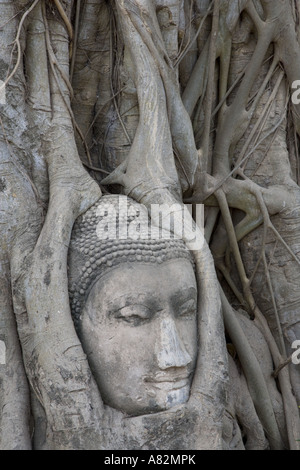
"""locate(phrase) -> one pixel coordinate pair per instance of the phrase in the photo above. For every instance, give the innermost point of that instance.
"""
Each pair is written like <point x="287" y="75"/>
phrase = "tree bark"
<point x="166" y="101"/>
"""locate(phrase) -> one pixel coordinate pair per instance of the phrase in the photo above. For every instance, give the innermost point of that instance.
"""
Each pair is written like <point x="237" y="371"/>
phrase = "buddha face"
<point x="139" y="331"/>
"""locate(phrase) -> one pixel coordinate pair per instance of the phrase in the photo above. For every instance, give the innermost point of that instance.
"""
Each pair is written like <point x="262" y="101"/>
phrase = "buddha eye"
<point x="188" y="309"/>
<point x="135" y="314"/>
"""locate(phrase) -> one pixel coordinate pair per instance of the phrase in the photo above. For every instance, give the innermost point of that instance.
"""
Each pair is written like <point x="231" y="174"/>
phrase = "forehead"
<point x="159" y="280"/>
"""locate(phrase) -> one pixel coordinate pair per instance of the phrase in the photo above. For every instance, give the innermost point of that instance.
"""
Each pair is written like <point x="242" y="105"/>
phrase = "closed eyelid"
<point x="184" y="297"/>
<point x="188" y="302"/>
<point x="188" y="306"/>
<point x="133" y="309"/>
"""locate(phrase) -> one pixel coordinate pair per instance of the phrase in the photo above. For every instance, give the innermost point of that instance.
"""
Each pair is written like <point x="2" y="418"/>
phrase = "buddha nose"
<point x="171" y="351"/>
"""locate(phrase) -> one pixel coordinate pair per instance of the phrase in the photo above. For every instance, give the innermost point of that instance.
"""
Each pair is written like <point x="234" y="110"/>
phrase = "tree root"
<point x="256" y="382"/>
<point x="18" y="44"/>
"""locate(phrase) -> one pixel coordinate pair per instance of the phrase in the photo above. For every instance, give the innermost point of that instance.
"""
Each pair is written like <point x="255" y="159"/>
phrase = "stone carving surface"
<point x="134" y="302"/>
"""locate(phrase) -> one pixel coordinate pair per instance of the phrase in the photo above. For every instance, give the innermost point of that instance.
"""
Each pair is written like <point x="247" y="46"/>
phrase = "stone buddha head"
<point x="134" y="304"/>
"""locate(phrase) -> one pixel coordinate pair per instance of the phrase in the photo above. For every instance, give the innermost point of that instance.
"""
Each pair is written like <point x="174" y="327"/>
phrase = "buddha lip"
<point x="167" y="384"/>
<point x="167" y="379"/>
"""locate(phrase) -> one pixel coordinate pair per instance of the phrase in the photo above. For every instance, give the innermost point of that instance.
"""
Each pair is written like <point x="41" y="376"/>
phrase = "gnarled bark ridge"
<point x="170" y="101"/>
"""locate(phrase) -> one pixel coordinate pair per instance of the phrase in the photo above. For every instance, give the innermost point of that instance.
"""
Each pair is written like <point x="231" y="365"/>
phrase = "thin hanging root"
<point x="224" y="270"/>
<point x="17" y="43"/>
<point x="237" y="167"/>
<point x="220" y="195"/>
<point x="94" y="168"/>
<point x="236" y="114"/>
<point x="67" y="23"/>
<point x="210" y="86"/>
<point x="229" y="91"/>
<point x="290" y="405"/>
<point x="234" y="246"/>
<point x="281" y="366"/>
<point x="99" y="110"/>
<point x="257" y="193"/>
<point x="265" y="33"/>
<point x="260" y="260"/>
<point x="52" y="56"/>
<point x="291" y="410"/>
<point x="75" y="39"/>
<point x="190" y="43"/>
<point x="284" y="243"/>
<point x="265" y="153"/>
<point x="263" y="245"/>
<point x="264" y="114"/>
<point x="113" y="97"/>
<point x="53" y="64"/>
<point x="20" y="167"/>
<point x="181" y="49"/>
<point x="267" y="223"/>
<point x="269" y="282"/>
<point x="255" y="378"/>
<point x="256" y="98"/>
<point x="262" y="119"/>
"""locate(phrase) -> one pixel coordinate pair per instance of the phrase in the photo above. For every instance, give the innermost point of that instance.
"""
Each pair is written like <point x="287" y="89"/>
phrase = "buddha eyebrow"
<point x="145" y="298"/>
